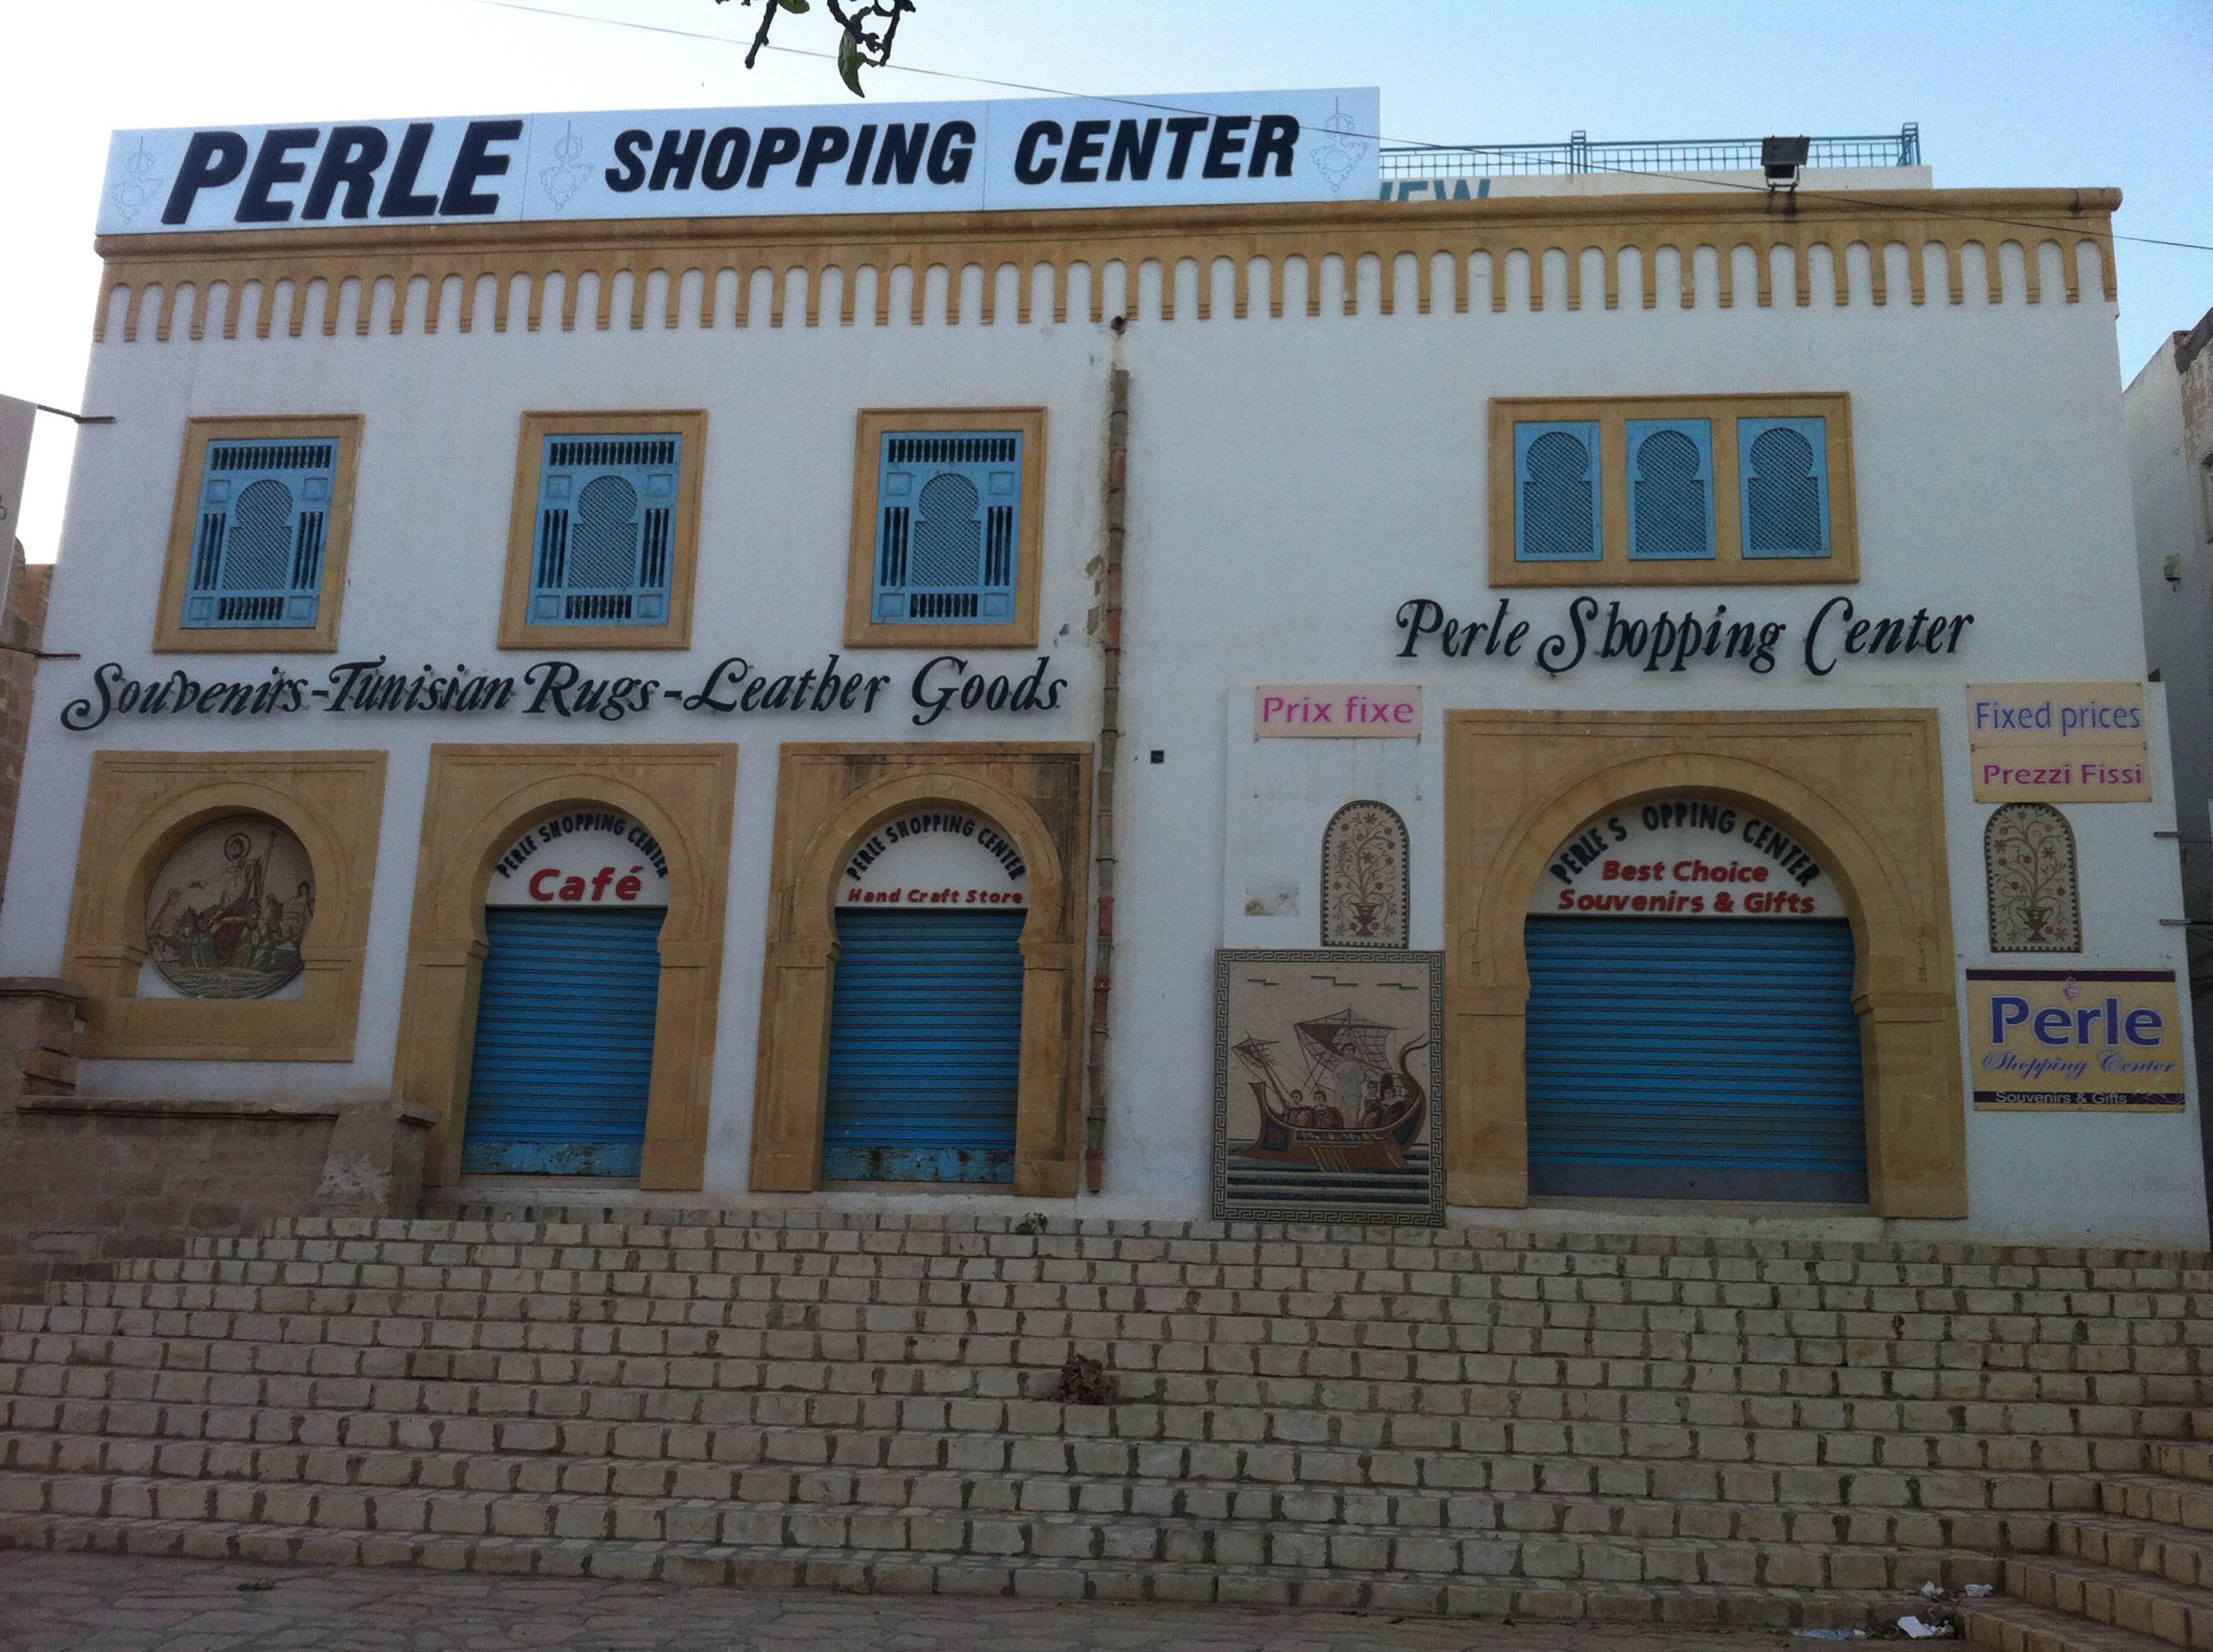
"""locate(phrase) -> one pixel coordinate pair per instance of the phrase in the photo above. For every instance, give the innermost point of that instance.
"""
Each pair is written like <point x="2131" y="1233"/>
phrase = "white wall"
<point x="1291" y="482"/>
<point x="1287" y="496"/>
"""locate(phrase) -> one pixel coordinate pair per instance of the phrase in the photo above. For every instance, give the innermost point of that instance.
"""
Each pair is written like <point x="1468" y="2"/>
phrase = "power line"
<point x="1876" y="205"/>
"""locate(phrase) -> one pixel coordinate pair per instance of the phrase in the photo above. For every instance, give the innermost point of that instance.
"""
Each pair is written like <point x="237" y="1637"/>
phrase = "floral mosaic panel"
<point x="2028" y="856"/>
<point x="228" y="909"/>
<point x="1364" y="877"/>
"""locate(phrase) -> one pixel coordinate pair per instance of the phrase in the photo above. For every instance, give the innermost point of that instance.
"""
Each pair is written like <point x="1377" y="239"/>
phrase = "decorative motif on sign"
<point x="141" y="179"/>
<point x="2029" y="857"/>
<point x="228" y="909"/>
<point x="1364" y="857"/>
<point x="1337" y="159"/>
<point x="563" y="180"/>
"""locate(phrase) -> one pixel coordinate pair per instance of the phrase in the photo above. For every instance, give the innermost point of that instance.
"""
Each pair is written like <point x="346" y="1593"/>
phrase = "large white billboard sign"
<point x="1207" y="149"/>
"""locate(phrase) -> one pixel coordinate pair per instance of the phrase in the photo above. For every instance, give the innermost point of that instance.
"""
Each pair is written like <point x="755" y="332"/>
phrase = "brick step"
<point x="1004" y="1535"/>
<point x="2187" y="1504"/>
<point x="2146" y="1348"/>
<point x="889" y="1573"/>
<point x="489" y="1219"/>
<point x="1918" y="1432"/>
<point x="1034" y="1282"/>
<point x="1874" y="1287"/>
<point x="2006" y="1624"/>
<point x="1691" y="1473"/>
<point x="319" y="1409"/>
<point x="377" y="1343"/>
<point x="138" y="1401"/>
<point x="374" y="1344"/>
<point x="2144" y="1547"/>
<point x="1123" y="1486"/>
<point x="2150" y="1605"/>
<point x="2182" y="1461"/>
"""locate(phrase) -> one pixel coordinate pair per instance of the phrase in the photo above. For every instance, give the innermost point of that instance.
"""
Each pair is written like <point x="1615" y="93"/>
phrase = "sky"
<point x="2028" y="93"/>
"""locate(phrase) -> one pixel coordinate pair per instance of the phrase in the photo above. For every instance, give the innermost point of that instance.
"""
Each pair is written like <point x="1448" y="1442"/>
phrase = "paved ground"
<point x="104" y="1603"/>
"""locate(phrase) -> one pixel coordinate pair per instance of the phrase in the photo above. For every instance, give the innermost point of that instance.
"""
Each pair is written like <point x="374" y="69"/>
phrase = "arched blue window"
<point x="1785" y="467"/>
<point x="947" y="505"/>
<point x="607" y="528"/>
<point x="1671" y="489"/>
<point x="258" y="547"/>
<point x="1555" y="517"/>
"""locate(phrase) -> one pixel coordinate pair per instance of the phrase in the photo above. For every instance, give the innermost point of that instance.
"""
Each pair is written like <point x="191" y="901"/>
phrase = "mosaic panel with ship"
<point x="1328" y="1075"/>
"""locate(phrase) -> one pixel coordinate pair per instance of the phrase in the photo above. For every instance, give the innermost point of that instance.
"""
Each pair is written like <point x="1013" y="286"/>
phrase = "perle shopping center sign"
<point x="2075" y="1040"/>
<point x="1204" y="149"/>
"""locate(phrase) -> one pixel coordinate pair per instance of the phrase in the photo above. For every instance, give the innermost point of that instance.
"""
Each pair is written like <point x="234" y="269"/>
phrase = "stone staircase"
<point x="1465" y="1423"/>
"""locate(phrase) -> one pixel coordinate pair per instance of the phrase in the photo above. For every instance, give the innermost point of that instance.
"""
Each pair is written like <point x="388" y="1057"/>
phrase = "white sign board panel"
<point x="934" y="859"/>
<point x="1206" y="148"/>
<point x="1685" y="857"/>
<point x="584" y="859"/>
<point x="2058" y="742"/>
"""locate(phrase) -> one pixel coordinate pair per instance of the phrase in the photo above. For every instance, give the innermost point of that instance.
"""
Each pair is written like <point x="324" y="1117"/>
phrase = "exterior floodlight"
<point x="1781" y="158"/>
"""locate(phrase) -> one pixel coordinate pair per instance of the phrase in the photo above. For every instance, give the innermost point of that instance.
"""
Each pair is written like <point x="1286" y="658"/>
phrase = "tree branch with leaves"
<point x="860" y="45"/>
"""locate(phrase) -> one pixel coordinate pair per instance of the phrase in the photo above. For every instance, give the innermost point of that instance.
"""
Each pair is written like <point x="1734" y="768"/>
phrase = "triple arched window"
<point x="1742" y="489"/>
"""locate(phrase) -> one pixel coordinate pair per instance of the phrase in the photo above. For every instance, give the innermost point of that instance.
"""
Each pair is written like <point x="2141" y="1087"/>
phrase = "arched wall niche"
<point x="139" y="807"/>
<point x="480" y="799"/>
<point x="1861" y="788"/>
<point x="829" y="798"/>
<point x="2031" y="879"/>
<point x="1366" y="883"/>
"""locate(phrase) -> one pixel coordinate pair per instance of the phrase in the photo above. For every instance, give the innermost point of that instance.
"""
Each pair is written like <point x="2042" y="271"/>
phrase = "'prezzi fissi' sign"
<point x="2058" y="742"/>
<point x="1335" y="711"/>
<point x="1204" y="149"/>
<point x="2067" y="1040"/>
<point x="1685" y="857"/>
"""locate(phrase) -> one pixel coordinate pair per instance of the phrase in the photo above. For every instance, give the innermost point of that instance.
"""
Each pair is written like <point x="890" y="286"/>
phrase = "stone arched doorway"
<point x="481" y="800"/>
<point x="1863" y="788"/>
<point x="832" y="799"/>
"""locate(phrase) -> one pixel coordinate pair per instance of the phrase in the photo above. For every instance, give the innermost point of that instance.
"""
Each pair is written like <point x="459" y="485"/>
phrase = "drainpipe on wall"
<point x="1108" y="628"/>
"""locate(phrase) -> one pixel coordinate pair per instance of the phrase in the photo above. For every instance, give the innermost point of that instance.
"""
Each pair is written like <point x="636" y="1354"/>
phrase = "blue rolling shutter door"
<point x="1694" y="1058"/>
<point x="925" y="1047"/>
<point x="564" y="1043"/>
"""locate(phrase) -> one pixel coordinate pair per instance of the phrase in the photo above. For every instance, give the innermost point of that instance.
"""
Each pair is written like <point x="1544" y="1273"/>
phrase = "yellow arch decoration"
<point x="1862" y="788"/>
<point x="482" y="797"/>
<point x="829" y="798"/>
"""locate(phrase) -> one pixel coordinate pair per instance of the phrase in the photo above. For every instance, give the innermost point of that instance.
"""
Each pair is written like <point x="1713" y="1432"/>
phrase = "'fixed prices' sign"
<point x="1207" y="149"/>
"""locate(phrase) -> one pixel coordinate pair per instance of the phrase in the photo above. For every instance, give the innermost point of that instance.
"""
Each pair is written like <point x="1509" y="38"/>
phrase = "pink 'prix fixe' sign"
<point x="1335" y="711"/>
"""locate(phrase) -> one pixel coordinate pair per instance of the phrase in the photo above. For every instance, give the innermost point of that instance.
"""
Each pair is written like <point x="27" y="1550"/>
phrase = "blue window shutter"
<point x="948" y="520"/>
<point x="1671" y="489"/>
<point x="1784" y="466"/>
<point x="1556" y="479"/>
<point x="263" y="517"/>
<point x="606" y="529"/>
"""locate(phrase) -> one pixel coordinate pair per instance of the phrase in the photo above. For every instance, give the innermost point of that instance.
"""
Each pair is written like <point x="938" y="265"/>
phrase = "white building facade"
<point x="925" y="616"/>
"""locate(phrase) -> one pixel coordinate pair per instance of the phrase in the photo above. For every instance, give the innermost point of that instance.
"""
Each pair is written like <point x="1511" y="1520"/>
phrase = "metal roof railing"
<point x="1580" y="154"/>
